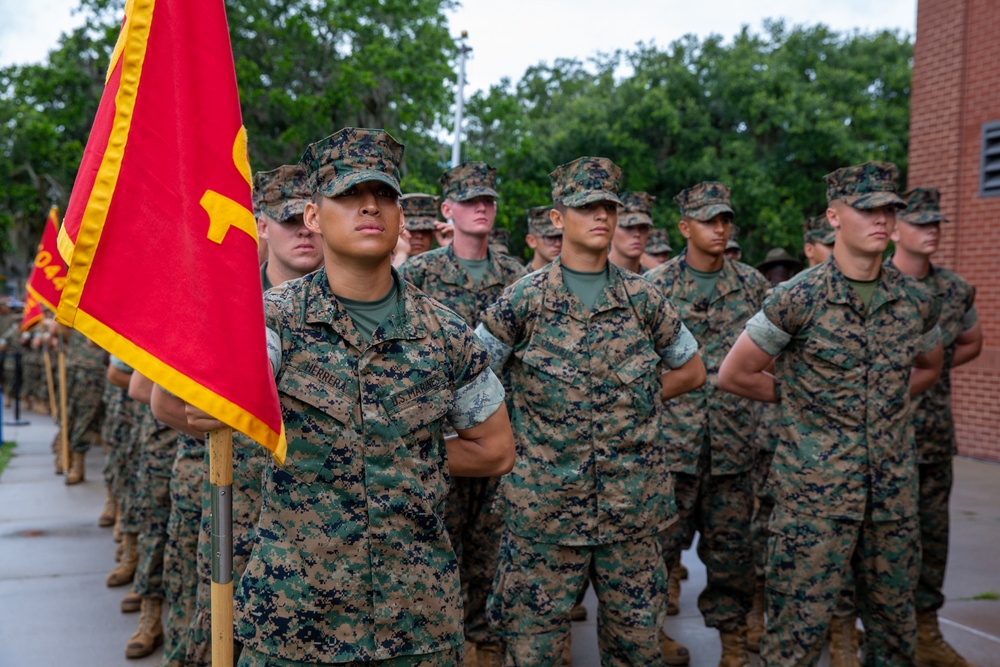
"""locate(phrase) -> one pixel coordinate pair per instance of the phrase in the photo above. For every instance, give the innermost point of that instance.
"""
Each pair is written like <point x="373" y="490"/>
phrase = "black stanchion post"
<point x="17" y="421"/>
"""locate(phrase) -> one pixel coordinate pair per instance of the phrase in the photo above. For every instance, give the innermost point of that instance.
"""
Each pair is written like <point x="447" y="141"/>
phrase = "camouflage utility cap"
<point x="468" y="181"/>
<point x="281" y="193"/>
<point x="922" y="207"/>
<point x="865" y="186"/>
<point x="658" y="242"/>
<point x="420" y="211"/>
<point x="500" y="236"/>
<point x="351" y="156"/>
<point x="586" y="180"/>
<point x="779" y="256"/>
<point x="638" y="208"/>
<point x="540" y="224"/>
<point x="817" y="229"/>
<point x="704" y="201"/>
<point x="734" y="233"/>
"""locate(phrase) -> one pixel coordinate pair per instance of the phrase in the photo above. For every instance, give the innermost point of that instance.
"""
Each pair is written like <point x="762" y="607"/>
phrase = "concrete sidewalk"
<point x="55" y="610"/>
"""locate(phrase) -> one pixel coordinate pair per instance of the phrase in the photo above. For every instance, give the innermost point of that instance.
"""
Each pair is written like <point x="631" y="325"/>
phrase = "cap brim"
<point x="342" y="184"/>
<point x="706" y="213"/>
<point x="658" y="249"/>
<point x="634" y="219"/>
<point x="922" y="218"/>
<point x="795" y="264"/>
<point x="826" y="238"/>
<point x="416" y="224"/>
<point x="733" y="245"/>
<point x="876" y="200"/>
<point x="578" y="199"/>
<point x="476" y="191"/>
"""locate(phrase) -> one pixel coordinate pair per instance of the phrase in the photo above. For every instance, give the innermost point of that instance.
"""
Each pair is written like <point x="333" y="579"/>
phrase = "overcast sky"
<point x="507" y="36"/>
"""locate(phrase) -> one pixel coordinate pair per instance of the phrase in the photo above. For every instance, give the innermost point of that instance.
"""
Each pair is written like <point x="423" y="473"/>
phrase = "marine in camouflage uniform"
<point x="816" y="233"/>
<point x="33" y="383"/>
<point x="591" y="490"/>
<point x="10" y="334"/>
<point x="279" y="200"/>
<point x="420" y="212"/>
<point x="657" y="249"/>
<point x="448" y="275"/>
<point x="85" y="374"/>
<point x="544" y="238"/>
<point x="713" y="430"/>
<point x="635" y="222"/>
<point x="847" y="352"/>
<point x="352" y="562"/>
<point x="916" y="238"/>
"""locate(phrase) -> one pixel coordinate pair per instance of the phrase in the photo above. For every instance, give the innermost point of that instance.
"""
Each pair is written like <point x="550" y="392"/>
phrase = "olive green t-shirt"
<point x="474" y="267"/>
<point x="865" y="290"/>
<point x="367" y="315"/>
<point x="705" y="280"/>
<point x="586" y="285"/>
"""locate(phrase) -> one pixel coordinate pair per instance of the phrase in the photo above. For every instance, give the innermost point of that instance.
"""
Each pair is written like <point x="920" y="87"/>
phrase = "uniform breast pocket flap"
<point x="311" y="390"/>
<point x="831" y="353"/>
<point x="630" y="369"/>
<point x="550" y="362"/>
<point x="431" y="404"/>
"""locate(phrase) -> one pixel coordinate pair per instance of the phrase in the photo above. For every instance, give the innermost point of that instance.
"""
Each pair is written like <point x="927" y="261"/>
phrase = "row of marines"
<point x="773" y="420"/>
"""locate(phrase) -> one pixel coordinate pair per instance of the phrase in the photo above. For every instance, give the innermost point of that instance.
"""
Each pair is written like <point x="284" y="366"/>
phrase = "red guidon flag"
<point x="48" y="275"/>
<point x="159" y="234"/>
<point x="32" y="312"/>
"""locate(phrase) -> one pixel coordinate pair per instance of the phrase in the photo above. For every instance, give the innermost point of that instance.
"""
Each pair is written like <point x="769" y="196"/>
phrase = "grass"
<point x="6" y="451"/>
<point x="989" y="595"/>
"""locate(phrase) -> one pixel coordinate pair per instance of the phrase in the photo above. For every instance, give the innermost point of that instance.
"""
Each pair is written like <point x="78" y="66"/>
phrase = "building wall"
<point x="956" y="89"/>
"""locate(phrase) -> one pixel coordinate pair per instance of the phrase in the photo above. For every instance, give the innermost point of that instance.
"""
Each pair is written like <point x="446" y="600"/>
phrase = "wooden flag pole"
<point x="64" y="422"/>
<point x="47" y="358"/>
<point x="220" y="470"/>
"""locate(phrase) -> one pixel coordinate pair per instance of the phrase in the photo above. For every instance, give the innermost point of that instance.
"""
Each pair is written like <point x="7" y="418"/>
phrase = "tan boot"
<point x="131" y="603"/>
<point x="116" y="535"/>
<point x="125" y="570"/>
<point x="75" y="474"/>
<point x="567" y="658"/>
<point x="932" y="649"/>
<point x="674" y="592"/>
<point x="844" y="642"/>
<point x="682" y="571"/>
<point x="149" y="634"/>
<point x="734" y="649"/>
<point x="109" y="513"/>
<point x="755" y="620"/>
<point x="578" y="613"/>
<point x="674" y="653"/>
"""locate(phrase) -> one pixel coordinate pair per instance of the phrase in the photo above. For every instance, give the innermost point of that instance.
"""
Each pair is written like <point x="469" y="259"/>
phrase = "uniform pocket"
<point x="318" y="411"/>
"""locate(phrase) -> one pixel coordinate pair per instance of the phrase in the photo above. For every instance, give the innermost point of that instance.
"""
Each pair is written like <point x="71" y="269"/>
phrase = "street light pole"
<point x="456" y="147"/>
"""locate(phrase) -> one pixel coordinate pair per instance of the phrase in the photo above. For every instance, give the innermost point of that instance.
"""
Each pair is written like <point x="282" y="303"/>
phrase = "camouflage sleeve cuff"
<point x="929" y="340"/>
<point x="970" y="319"/>
<point x="766" y="334"/>
<point x="499" y="350"/>
<point x="681" y="350"/>
<point x="477" y="401"/>
<point x="164" y="390"/>
<point x="120" y="365"/>
<point x="274" y="350"/>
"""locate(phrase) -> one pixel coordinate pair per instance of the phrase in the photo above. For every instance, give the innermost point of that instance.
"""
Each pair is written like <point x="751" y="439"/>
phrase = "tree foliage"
<point x="769" y="114"/>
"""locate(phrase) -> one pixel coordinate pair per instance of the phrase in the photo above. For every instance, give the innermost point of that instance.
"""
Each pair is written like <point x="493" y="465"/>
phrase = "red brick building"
<point x="955" y="147"/>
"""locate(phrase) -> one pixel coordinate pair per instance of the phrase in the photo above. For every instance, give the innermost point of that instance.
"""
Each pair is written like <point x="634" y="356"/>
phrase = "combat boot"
<point x="734" y="649"/>
<point x="674" y="653"/>
<point x="75" y="474"/>
<point x="125" y="570"/>
<point x="932" y="649"/>
<point x="578" y="613"/>
<point x="567" y="657"/>
<point x="682" y="571"/>
<point x="470" y="655"/>
<point x="110" y="511"/>
<point x="116" y="534"/>
<point x="149" y="634"/>
<point x="755" y="619"/>
<point x="132" y="602"/>
<point x="843" y="642"/>
<point x="674" y="592"/>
